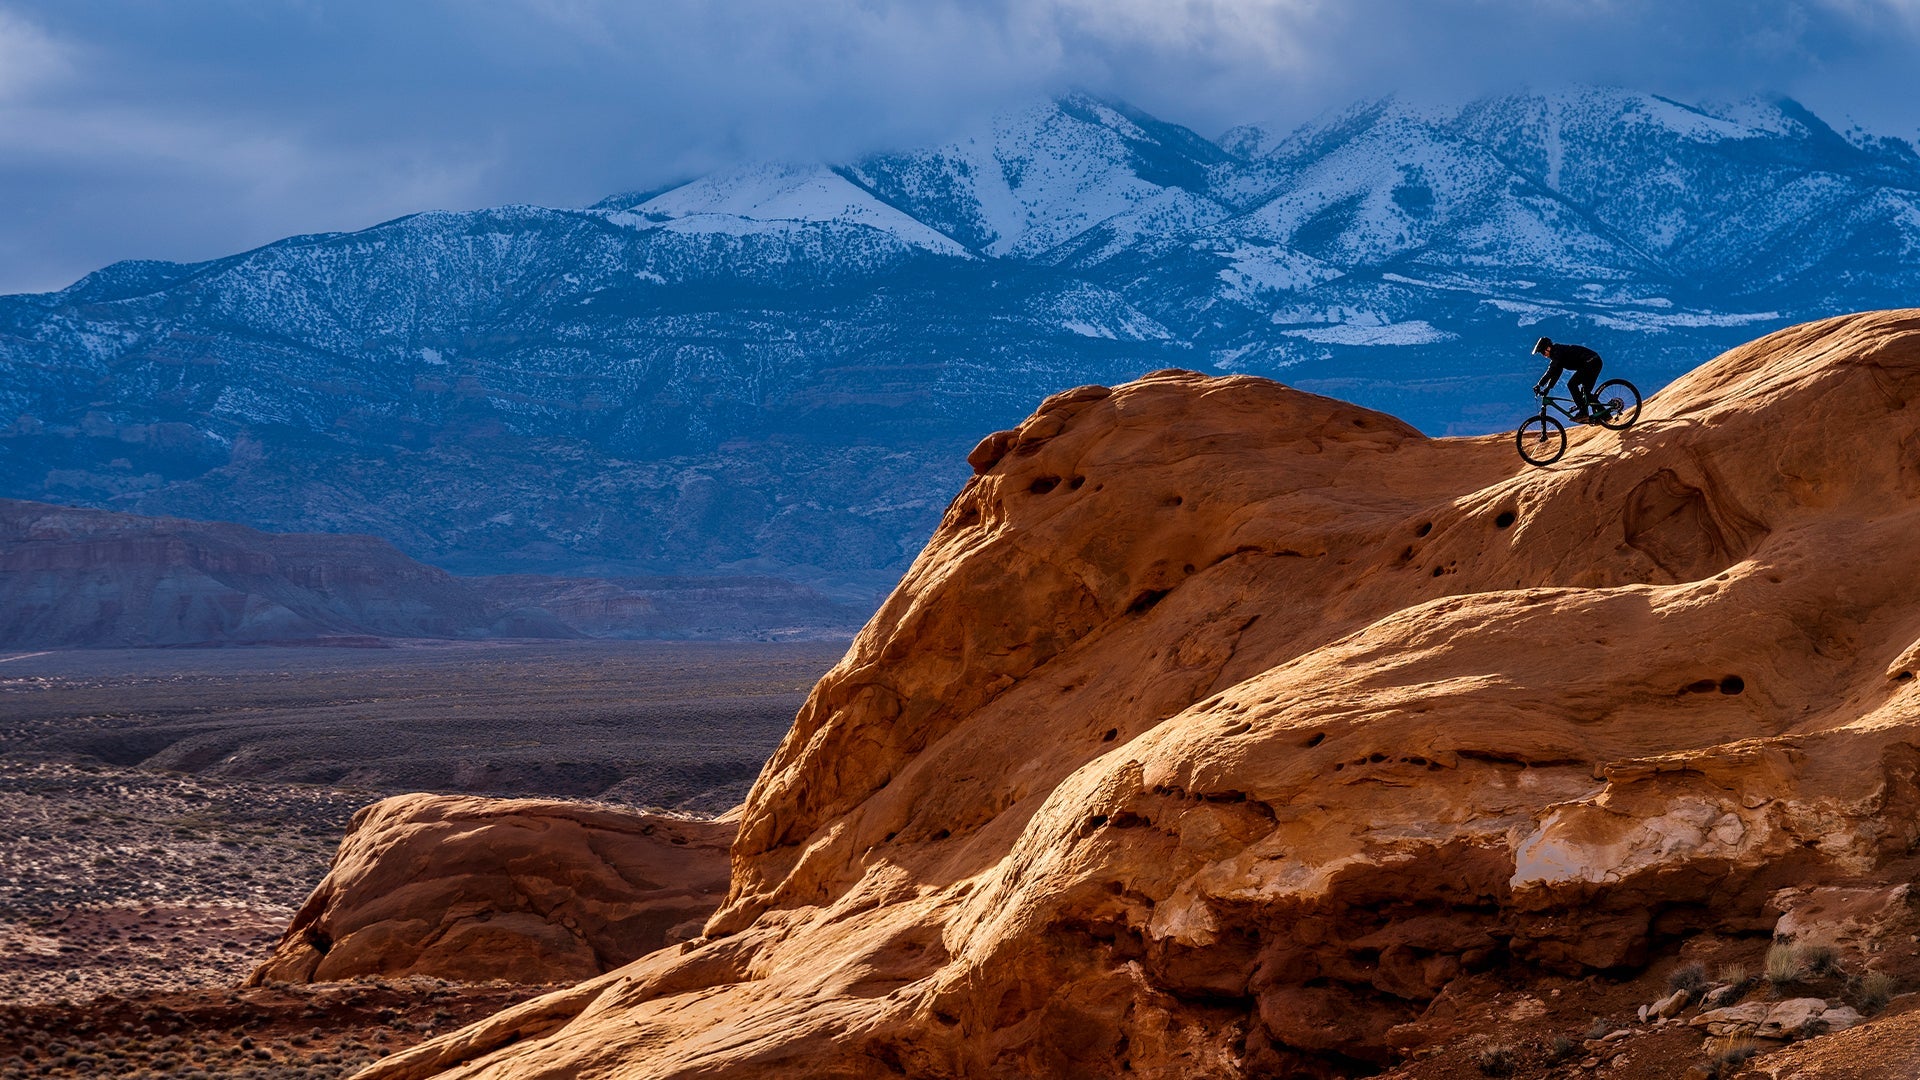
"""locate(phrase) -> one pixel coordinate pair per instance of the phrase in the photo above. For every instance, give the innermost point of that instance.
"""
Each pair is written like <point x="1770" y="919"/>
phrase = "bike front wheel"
<point x="1619" y="404"/>
<point x="1541" y="440"/>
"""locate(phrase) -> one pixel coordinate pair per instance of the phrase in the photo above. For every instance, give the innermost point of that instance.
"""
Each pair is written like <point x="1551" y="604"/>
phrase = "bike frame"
<point x="1563" y="407"/>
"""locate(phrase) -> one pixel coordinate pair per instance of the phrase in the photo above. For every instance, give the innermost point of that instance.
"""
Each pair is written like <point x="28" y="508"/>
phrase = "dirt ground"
<point x="164" y="812"/>
<point x="681" y="725"/>
<point x="280" y="1032"/>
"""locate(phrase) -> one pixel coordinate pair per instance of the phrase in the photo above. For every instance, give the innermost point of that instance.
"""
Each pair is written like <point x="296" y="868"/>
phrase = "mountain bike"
<point x="1542" y="438"/>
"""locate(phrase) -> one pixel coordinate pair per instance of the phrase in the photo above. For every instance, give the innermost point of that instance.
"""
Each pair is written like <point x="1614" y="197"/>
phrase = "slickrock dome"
<point x="1221" y="728"/>
<point x="526" y="890"/>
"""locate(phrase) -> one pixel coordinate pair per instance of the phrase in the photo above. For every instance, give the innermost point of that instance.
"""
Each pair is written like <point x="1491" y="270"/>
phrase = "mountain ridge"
<point x="83" y="578"/>
<point x="737" y="348"/>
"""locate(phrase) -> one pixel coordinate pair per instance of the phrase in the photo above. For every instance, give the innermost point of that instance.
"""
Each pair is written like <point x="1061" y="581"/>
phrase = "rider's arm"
<point x="1548" y="380"/>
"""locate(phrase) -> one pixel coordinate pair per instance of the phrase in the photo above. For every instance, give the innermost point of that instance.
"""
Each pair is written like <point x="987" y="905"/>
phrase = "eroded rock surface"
<point x="1221" y="730"/>
<point x="525" y="890"/>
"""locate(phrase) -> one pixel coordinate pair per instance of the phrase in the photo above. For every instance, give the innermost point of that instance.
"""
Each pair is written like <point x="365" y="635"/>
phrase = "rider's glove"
<point x="1539" y="388"/>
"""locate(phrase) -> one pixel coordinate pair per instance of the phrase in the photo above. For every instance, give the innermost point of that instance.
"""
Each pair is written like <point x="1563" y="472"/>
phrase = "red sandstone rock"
<point x="525" y="890"/>
<point x="1221" y="730"/>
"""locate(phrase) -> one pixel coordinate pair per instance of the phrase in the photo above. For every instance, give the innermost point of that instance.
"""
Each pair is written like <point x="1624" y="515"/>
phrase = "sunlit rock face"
<point x="1221" y="728"/>
<point x="531" y="891"/>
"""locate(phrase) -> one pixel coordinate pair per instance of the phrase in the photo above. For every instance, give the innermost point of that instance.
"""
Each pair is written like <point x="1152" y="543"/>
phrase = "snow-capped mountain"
<point x="1041" y="177"/>
<point x="778" y="368"/>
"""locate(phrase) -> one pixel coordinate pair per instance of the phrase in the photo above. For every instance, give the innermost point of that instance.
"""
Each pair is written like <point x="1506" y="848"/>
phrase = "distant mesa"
<point x="471" y="889"/>
<point x="93" y="578"/>
<point x="1279" y="739"/>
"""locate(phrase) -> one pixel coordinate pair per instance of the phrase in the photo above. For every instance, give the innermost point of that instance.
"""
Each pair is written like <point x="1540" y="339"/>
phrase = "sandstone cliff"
<point x="520" y="889"/>
<point x="1221" y="729"/>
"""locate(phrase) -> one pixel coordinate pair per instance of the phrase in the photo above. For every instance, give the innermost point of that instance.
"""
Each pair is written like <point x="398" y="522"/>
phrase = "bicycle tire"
<point x="1620" y="401"/>
<point x="1541" y="440"/>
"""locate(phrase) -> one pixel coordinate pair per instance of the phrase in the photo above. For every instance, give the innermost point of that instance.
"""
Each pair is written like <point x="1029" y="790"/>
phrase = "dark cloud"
<point x="195" y="128"/>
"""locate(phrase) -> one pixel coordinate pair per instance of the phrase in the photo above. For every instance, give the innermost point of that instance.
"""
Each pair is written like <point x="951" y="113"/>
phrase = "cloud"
<point x="195" y="128"/>
<point x="29" y="57"/>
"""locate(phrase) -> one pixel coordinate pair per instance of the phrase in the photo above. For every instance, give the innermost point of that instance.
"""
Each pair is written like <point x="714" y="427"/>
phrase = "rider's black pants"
<point x="1581" y="384"/>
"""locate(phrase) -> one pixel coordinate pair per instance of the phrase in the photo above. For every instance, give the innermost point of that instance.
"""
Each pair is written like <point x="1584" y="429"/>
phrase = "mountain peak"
<point x="773" y="196"/>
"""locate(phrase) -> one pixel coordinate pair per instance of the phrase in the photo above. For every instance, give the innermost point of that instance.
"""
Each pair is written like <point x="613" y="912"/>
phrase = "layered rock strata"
<point x="1221" y="728"/>
<point x="90" y="578"/>
<point x="71" y="577"/>
<point x="524" y="890"/>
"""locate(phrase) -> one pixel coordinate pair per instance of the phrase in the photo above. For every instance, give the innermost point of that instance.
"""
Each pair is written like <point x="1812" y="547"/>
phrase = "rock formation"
<point x="89" y="578"/>
<point x="1221" y="729"/>
<point x="520" y="889"/>
<point x="74" y="577"/>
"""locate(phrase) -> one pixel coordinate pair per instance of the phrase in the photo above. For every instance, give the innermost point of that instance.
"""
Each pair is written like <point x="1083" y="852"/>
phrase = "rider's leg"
<point x="1581" y="386"/>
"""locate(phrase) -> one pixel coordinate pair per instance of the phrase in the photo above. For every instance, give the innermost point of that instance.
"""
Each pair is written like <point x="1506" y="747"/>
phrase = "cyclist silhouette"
<point x="1582" y="361"/>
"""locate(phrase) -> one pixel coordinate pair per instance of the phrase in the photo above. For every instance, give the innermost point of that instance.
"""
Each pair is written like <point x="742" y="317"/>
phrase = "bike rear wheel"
<point x="1541" y="440"/>
<point x="1619" y="404"/>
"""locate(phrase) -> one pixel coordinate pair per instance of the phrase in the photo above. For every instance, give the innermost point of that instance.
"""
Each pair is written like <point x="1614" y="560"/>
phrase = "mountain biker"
<point x="1582" y="361"/>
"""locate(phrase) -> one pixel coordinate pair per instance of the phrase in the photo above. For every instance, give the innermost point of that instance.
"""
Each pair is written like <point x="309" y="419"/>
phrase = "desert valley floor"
<point x="163" y="812"/>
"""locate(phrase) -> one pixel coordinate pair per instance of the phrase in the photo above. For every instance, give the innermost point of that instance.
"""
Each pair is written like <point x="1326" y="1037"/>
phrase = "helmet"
<point x="1543" y="345"/>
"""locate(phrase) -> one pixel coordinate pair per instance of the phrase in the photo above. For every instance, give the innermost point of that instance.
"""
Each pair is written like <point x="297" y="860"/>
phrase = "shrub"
<point x="1690" y="978"/>
<point x="1729" y="1053"/>
<point x="1873" y="991"/>
<point x="1735" y="975"/>
<point x="1562" y="1049"/>
<point x="1820" y="957"/>
<point x="1783" y="964"/>
<point x="1496" y="1060"/>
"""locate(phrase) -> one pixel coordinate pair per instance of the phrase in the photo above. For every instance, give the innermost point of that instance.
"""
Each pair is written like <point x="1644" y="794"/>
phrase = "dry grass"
<point x="1727" y="1053"/>
<point x="1872" y="991"/>
<point x="1819" y="958"/>
<point x="1783" y="964"/>
<point x="1561" y="1049"/>
<point x="1496" y="1060"/>
<point x="1690" y="977"/>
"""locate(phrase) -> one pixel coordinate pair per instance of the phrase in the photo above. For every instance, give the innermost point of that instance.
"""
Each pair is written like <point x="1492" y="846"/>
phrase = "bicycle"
<point x="1542" y="439"/>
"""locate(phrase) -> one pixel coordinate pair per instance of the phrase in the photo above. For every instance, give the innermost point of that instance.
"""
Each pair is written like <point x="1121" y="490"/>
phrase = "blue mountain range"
<point x="778" y="368"/>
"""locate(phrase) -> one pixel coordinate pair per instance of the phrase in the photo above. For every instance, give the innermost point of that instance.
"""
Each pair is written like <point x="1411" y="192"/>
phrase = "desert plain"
<point x="164" y="812"/>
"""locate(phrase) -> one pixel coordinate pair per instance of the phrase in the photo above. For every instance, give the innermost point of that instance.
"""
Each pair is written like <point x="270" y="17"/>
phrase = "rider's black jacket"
<point x="1575" y="358"/>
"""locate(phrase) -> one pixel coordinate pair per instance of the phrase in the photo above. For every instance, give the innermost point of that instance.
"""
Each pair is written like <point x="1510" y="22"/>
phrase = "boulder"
<point x="1668" y="1006"/>
<point x="1848" y="917"/>
<point x="1741" y="1019"/>
<point x="1222" y="730"/>
<point x="1839" y="1018"/>
<point x="1792" y="1018"/>
<point x="524" y="890"/>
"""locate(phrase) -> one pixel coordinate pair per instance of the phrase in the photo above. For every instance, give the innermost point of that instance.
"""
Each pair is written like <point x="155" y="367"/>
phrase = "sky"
<point x="191" y="129"/>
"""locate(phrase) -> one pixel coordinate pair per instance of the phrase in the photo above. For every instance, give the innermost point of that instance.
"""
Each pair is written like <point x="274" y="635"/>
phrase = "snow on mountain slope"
<point x="1037" y="177"/>
<point x="1149" y="227"/>
<point x="1389" y="184"/>
<point x="1671" y="178"/>
<point x="774" y="198"/>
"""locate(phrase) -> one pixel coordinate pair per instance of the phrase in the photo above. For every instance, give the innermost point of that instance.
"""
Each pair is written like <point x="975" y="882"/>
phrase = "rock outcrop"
<point x="525" y="890"/>
<point x="1222" y="728"/>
